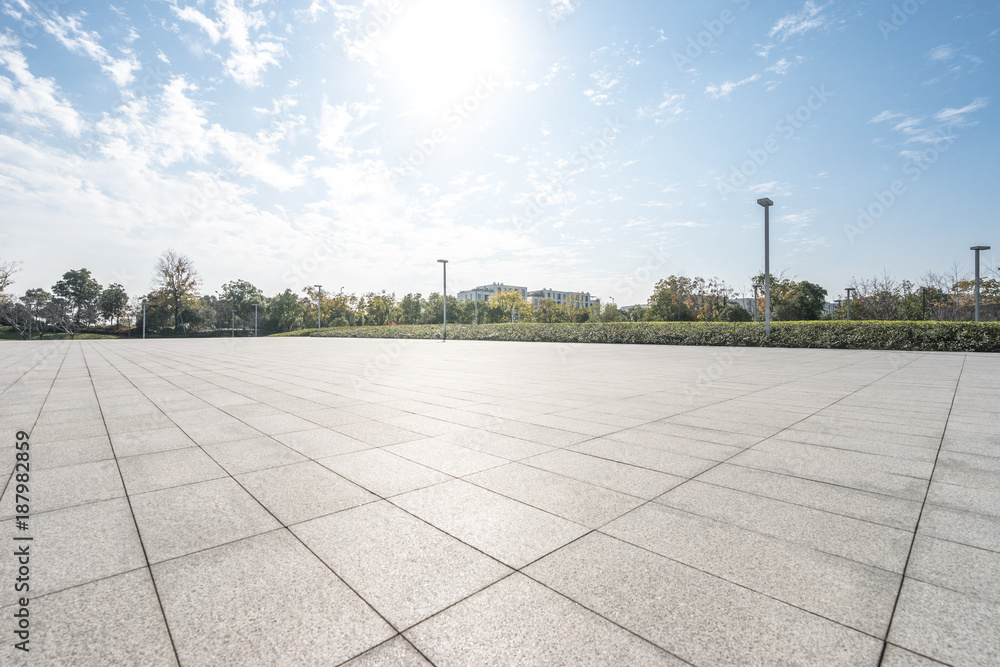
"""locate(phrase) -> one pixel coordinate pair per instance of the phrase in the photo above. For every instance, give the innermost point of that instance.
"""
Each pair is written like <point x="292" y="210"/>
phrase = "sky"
<point x="564" y="144"/>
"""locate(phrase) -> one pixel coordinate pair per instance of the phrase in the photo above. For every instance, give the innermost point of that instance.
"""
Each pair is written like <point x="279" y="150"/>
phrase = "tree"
<point x="7" y="271"/>
<point x="113" y="303"/>
<point x="380" y="309"/>
<point x="284" y="313"/>
<point x="734" y="312"/>
<point x="669" y="302"/>
<point x="875" y="298"/>
<point x="510" y="306"/>
<point x="410" y="309"/>
<point x="81" y="292"/>
<point x="177" y="281"/>
<point x="242" y="295"/>
<point x="801" y="301"/>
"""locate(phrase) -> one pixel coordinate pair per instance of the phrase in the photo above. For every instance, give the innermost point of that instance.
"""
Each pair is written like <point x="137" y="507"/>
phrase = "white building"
<point x="579" y="299"/>
<point x="483" y="292"/>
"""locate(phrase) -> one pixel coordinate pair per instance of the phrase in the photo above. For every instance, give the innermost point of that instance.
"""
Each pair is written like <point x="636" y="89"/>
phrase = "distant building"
<point x="483" y="292"/>
<point x="747" y="303"/>
<point x="831" y="308"/>
<point x="579" y="299"/>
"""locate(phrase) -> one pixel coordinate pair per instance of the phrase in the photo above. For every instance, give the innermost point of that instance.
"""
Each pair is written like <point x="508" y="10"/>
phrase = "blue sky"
<point x="567" y="144"/>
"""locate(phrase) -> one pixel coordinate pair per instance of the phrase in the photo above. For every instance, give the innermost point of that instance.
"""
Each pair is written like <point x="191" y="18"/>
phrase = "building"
<point x="483" y="292"/>
<point x="578" y="299"/>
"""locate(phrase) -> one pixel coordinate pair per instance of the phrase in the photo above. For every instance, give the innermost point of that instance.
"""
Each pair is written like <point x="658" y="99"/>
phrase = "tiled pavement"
<point x="305" y="501"/>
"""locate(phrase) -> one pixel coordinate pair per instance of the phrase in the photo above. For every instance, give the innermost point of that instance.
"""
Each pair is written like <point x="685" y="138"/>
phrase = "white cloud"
<point x="885" y="116"/>
<point x="780" y="68"/>
<point x="941" y="53"/>
<point x="806" y="19"/>
<point x="957" y="116"/>
<point x="69" y="32"/>
<point x="250" y="52"/>
<point x="33" y="101"/>
<point x="724" y="90"/>
<point x="670" y="108"/>
<point x="560" y="10"/>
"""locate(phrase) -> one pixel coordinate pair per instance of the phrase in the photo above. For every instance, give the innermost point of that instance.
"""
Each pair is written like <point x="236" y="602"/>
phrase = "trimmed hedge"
<point x="858" y="335"/>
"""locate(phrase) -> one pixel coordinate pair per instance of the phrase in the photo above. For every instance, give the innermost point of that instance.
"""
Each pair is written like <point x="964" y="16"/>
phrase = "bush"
<point x="865" y="335"/>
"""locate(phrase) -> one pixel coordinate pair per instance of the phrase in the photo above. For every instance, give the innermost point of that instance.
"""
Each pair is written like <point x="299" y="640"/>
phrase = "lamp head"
<point x="980" y="247"/>
<point x="443" y="261"/>
<point x="765" y="202"/>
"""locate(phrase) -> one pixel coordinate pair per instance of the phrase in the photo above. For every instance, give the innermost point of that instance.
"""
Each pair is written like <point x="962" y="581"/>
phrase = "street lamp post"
<point x="755" y="302"/>
<point x="319" y="308"/>
<point x="144" y="319"/>
<point x="767" y="204"/>
<point x="444" y="265"/>
<point x="255" y="320"/>
<point x="977" y="248"/>
<point x="232" y="325"/>
<point x="849" y="290"/>
<point x="475" y="301"/>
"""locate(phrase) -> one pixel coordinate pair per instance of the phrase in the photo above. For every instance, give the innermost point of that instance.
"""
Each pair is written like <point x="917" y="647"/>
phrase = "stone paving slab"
<point x="366" y="502"/>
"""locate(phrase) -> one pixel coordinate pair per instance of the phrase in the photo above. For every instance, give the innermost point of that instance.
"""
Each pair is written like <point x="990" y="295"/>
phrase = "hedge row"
<point x="863" y="335"/>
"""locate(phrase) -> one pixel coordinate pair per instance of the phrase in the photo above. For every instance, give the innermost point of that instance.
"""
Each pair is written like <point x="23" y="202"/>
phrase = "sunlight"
<point x="437" y="50"/>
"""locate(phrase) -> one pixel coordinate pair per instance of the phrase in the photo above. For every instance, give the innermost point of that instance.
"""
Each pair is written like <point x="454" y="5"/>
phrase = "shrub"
<point x="836" y="334"/>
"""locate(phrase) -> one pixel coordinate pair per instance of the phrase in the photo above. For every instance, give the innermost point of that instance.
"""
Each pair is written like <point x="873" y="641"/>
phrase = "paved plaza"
<point x="298" y="501"/>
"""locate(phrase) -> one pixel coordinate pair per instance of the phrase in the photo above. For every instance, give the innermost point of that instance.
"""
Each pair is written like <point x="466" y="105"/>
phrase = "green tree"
<point x="410" y="309"/>
<point x="801" y="301"/>
<point x="734" y="312"/>
<point x="242" y="295"/>
<point x="285" y="312"/>
<point x="380" y="309"/>
<point x="81" y="292"/>
<point x="177" y="283"/>
<point x="670" y="300"/>
<point x="113" y="303"/>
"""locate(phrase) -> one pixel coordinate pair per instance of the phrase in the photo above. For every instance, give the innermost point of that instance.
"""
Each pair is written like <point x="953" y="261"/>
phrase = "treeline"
<point x="176" y="305"/>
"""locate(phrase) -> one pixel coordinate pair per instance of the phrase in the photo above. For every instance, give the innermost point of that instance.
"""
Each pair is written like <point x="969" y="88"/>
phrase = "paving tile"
<point x="122" y="610"/>
<point x="81" y="544"/>
<point x="946" y="625"/>
<point x="70" y="452"/>
<point x="394" y="653"/>
<point x="376" y="433"/>
<point x="147" y="442"/>
<point x="447" y="457"/>
<point x="510" y="531"/>
<point x="864" y="542"/>
<point x="212" y="433"/>
<point x="495" y="444"/>
<point x="57" y="488"/>
<point x="543" y="435"/>
<point x="975" y="530"/>
<point x="301" y="612"/>
<point x="645" y="456"/>
<point x="43" y="433"/>
<point x="580" y="502"/>
<point x="303" y="491"/>
<point x="859" y="596"/>
<point x="961" y="568"/>
<point x="383" y="473"/>
<point x="669" y="443"/>
<point x="278" y="423"/>
<point x="972" y="499"/>
<point x="519" y="622"/>
<point x="174" y="467"/>
<point x="254" y="454"/>
<point x="184" y="519"/>
<point x="865" y="505"/>
<point x="611" y="475"/>
<point x="317" y="443"/>
<point x="693" y="615"/>
<point x="403" y="567"/>
<point x="899" y="657"/>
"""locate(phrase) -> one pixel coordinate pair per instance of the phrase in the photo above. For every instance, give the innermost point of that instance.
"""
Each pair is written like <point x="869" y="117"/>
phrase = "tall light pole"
<point x="255" y="320"/>
<point x="767" y="204"/>
<point x="849" y="290"/>
<point x="232" y="325"/>
<point x="475" y="301"/>
<point x="144" y="319"/>
<point x="319" y="308"/>
<point x="444" y="265"/>
<point x="755" y="302"/>
<point x="977" y="248"/>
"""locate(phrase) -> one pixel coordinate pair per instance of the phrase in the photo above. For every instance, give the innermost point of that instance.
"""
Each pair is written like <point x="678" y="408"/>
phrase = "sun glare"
<point x="437" y="50"/>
